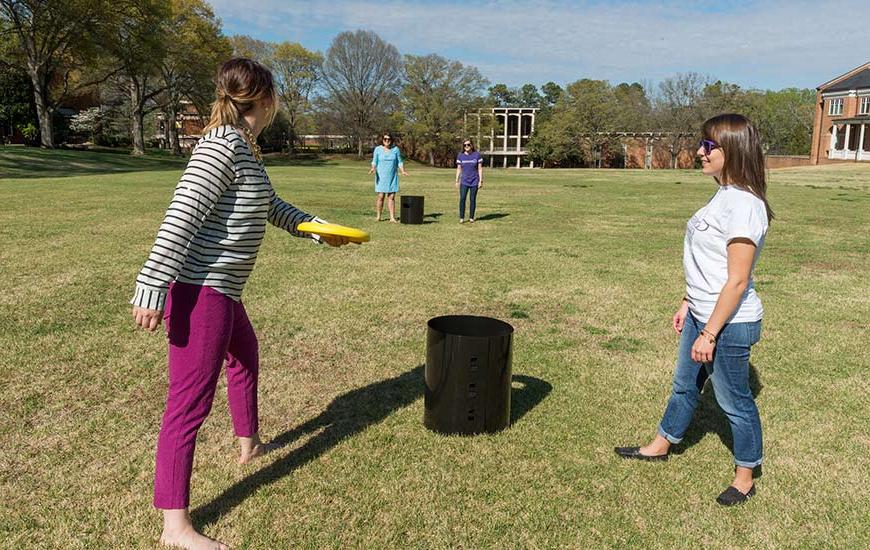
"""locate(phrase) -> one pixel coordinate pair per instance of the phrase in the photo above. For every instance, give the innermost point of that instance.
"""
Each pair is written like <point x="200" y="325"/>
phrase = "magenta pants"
<point x="206" y="329"/>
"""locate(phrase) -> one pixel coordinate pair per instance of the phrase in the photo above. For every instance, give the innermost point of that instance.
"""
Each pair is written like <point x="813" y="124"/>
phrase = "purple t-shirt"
<point x="469" y="163"/>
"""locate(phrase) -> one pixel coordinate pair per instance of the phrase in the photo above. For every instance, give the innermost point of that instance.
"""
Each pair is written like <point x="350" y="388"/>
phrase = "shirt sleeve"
<point x="375" y="157"/>
<point x="479" y="158"/>
<point x="747" y="220"/>
<point x="399" y="157"/>
<point x="286" y="216"/>
<point x="210" y="171"/>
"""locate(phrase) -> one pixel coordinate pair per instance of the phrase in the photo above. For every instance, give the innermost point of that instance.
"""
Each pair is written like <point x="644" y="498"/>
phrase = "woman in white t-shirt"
<point x="720" y="317"/>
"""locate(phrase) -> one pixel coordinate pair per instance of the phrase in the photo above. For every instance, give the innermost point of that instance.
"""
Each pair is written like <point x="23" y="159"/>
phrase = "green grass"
<point x="585" y="264"/>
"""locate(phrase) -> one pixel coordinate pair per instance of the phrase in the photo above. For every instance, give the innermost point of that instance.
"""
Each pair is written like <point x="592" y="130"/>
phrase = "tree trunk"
<point x="138" y="120"/>
<point x="431" y="158"/>
<point x="43" y="111"/>
<point x="359" y="147"/>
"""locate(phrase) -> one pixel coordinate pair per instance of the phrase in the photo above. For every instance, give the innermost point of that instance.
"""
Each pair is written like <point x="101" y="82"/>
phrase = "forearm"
<point x="286" y="216"/>
<point x="729" y="299"/>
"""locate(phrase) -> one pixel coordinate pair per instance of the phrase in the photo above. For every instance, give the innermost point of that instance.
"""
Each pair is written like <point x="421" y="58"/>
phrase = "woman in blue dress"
<point x="386" y="164"/>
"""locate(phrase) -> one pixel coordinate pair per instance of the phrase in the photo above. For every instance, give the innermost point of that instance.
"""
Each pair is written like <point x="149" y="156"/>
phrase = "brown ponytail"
<point x="240" y="83"/>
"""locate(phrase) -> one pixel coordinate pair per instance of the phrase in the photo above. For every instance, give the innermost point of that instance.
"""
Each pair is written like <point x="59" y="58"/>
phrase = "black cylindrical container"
<point x="412" y="209"/>
<point x="468" y="375"/>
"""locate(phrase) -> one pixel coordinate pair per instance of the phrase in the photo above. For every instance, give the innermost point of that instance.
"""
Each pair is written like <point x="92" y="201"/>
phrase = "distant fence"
<point x="786" y="161"/>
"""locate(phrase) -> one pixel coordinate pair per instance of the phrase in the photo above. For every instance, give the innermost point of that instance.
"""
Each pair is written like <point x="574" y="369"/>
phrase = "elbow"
<point x="739" y="285"/>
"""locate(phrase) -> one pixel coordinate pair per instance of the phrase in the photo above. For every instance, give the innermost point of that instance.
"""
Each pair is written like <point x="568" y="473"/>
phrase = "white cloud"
<point x="770" y="44"/>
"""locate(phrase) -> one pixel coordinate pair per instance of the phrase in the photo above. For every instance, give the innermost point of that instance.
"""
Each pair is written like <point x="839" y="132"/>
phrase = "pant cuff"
<point x="669" y="437"/>
<point x="745" y="464"/>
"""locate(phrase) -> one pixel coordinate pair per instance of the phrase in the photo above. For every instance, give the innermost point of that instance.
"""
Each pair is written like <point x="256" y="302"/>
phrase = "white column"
<point x="504" y="162"/>
<point x="846" y="140"/>
<point x="519" y="133"/>
<point x="504" y="136"/>
<point x="859" y="155"/>
<point x="532" y="129"/>
<point x="833" y="141"/>
<point x="492" y="137"/>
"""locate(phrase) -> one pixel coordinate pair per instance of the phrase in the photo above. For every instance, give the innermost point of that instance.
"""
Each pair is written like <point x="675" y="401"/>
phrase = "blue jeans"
<point x="729" y="373"/>
<point x="463" y="191"/>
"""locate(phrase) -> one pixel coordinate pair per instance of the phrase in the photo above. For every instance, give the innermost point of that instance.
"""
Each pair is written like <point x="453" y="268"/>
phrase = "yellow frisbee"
<point x="350" y="233"/>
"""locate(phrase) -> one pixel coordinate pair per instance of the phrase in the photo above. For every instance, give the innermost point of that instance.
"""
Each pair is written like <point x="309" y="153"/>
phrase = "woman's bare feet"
<point x="252" y="447"/>
<point x="394" y="220"/>
<point x="178" y="532"/>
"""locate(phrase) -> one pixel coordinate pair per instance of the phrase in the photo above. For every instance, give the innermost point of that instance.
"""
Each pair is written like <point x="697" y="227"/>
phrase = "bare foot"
<point x="258" y="450"/>
<point x="377" y="218"/>
<point x="394" y="220"/>
<point x="187" y="537"/>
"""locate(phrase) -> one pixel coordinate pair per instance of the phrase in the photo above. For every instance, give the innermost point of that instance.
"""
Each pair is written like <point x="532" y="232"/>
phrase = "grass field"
<point x="585" y="264"/>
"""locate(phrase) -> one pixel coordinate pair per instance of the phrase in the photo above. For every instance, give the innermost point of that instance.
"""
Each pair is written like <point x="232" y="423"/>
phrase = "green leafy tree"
<point x="297" y="72"/>
<point x="138" y="45"/>
<point x="192" y="56"/>
<point x="16" y="99"/>
<point x="436" y="95"/>
<point x="52" y="42"/>
<point x="502" y="96"/>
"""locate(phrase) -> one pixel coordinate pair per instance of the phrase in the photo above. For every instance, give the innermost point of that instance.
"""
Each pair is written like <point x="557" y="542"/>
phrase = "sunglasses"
<point x="708" y="145"/>
<point x="466" y="145"/>
<point x="388" y="139"/>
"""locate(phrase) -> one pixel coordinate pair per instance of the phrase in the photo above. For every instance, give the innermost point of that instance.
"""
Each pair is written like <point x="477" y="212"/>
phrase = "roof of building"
<point x="857" y="78"/>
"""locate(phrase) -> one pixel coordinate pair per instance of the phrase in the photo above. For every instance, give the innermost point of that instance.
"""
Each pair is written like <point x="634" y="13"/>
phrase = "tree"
<point x="437" y="93"/>
<point x="138" y="44"/>
<point x="193" y="52"/>
<point x="679" y="110"/>
<point x="528" y="96"/>
<point x="362" y="75"/>
<point x="551" y="93"/>
<point x="258" y="50"/>
<point x="55" y="40"/>
<point x="16" y="100"/>
<point x="297" y="71"/>
<point x="502" y="96"/>
<point x="634" y="110"/>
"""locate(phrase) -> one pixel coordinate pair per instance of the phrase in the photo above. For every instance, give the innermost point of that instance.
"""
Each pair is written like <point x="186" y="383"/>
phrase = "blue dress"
<point x="386" y="163"/>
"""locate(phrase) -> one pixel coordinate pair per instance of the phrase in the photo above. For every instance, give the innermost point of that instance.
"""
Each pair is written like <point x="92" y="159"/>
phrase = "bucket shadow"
<point x="709" y="417"/>
<point x="347" y="415"/>
<point x="524" y="399"/>
<point x="493" y="216"/>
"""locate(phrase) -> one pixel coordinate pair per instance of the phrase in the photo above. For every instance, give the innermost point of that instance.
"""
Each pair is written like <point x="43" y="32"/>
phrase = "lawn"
<point x="585" y="264"/>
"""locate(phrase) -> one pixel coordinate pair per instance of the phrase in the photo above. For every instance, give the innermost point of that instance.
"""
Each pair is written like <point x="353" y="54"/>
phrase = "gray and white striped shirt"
<point x="215" y="223"/>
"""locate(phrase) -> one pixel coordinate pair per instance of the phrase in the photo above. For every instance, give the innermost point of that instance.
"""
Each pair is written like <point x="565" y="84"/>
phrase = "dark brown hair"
<point x="392" y="139"/>
<point x="744" y="157"/>
<point x="241" y="82"/>
<point x="473" y="148"/>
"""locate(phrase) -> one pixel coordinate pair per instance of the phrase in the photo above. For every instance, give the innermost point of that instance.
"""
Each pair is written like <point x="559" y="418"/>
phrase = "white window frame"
<point x="836" y="106"/>
<point x="864" y="108"/>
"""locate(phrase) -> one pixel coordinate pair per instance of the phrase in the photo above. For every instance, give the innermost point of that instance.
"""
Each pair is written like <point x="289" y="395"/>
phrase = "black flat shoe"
<point x="732" y="496"/>
<point x="634" y="452"/>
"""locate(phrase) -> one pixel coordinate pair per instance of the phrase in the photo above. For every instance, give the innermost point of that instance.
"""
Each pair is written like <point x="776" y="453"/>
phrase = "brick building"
<point x="840" y="130"/>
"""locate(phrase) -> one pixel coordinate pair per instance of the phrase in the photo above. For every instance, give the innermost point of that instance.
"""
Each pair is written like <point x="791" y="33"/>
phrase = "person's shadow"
<point x="709" y="417"/>
<point x="348" y="415"/>
<point x="493" y="216"/>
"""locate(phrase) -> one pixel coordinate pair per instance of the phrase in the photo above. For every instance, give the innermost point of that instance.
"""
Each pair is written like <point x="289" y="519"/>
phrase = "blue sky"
<point x="770" y="44"/>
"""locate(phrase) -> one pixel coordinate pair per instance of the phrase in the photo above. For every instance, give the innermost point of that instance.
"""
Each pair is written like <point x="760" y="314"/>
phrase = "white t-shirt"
<point x="731" y="213"/>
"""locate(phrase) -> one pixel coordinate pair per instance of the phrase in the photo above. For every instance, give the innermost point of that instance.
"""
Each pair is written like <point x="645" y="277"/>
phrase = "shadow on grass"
<point x="300" y="160"/>
<point x="710" y="418"/>
<point x="31" y="162"/>
<point x="533" y="391"/>
<point x="349" y="414"/>
<point x="493" y="216"/>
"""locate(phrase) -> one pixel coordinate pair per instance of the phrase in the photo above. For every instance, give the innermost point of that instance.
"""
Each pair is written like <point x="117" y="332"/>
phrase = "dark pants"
<point x="463" y="191"/>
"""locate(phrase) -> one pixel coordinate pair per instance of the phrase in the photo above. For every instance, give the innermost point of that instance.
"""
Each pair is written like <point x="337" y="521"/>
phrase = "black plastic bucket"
<point x="468" y="375"/>
<point x="412" y="209"/>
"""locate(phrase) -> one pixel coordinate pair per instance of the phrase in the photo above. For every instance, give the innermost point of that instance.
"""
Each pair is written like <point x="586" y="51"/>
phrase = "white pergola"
<point x="516" y="125"/>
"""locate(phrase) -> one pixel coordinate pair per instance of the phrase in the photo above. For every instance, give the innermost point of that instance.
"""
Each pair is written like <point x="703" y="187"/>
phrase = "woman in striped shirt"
<point x="205" y="249"/>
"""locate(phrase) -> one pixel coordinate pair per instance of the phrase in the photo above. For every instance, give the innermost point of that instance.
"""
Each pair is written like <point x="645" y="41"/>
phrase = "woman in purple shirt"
<point x="469" y="178"/>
